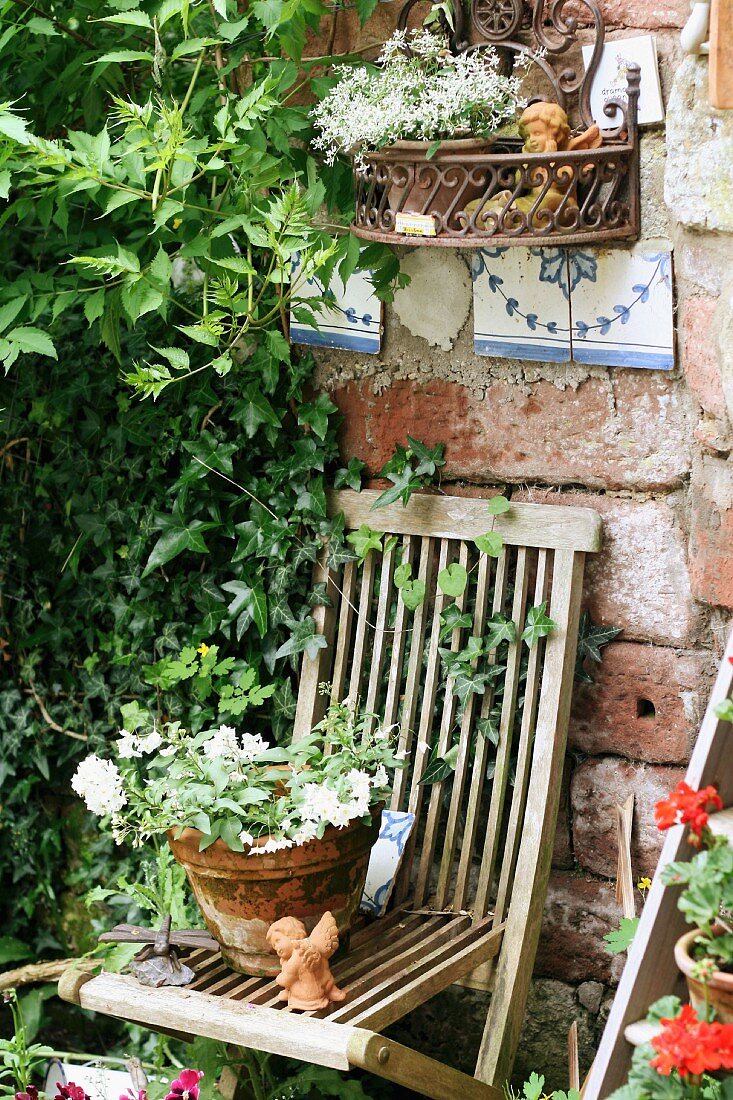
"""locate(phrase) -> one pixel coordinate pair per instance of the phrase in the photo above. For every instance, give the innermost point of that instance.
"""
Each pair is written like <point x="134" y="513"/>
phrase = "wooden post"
<point x="721" y="53"/>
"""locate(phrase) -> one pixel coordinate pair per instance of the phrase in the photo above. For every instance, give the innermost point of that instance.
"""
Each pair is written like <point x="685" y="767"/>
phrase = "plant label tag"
<point x="415" y="225"/>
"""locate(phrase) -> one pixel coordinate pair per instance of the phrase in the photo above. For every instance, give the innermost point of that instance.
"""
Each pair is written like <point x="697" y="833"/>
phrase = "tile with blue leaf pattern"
<point x="385" y="860"/>
<point x="622" y="308"/>
<point x="352" y="321"/>
<point x="521" y="303"/>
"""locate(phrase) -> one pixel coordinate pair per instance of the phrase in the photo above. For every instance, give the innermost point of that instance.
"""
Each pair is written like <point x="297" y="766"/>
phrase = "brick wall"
<point x="649" y="451"/>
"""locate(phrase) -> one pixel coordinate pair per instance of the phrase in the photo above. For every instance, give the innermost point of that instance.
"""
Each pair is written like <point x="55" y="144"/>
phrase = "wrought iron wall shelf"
<point x="470" y="194"/>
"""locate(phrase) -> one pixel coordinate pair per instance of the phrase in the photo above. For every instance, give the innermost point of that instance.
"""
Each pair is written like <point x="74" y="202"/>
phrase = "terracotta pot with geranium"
<point x="705" y="954"/>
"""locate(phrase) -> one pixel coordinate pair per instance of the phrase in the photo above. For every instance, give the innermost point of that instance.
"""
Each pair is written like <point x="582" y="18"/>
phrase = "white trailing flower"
<point x="152" y="742"/>
<point x="128" y="745"/>
<point x="422" y="92"/>
<point x="252" y="746"/>
<point x="361" y="788"/>
<point x="272" y="845"/>
<point x="223" y="743"/>
<point x="99" y="783"/>
<point x="380" y="777"/>
<point x="246" y="838"/>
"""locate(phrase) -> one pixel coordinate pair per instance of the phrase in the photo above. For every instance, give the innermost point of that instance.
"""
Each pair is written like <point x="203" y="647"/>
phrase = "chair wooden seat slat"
<point x="467" y="904"/>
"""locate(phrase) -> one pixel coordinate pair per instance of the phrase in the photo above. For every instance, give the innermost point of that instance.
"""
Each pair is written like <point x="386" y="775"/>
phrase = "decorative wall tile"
<point x="353" y="321"/>
<point x="385" y="861"/>
<point x="612" y="307"/>
<point x="520" y="303"/>
<point x="622" y="309"/>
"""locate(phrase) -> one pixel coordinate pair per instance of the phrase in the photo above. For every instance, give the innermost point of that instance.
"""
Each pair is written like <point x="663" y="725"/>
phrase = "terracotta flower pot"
<point x="422" y="186"/>
<point x="719" y="986"/>
<point x="240" y="895"/>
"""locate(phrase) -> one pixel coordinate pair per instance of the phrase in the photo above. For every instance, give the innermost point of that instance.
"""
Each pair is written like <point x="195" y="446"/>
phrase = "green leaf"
<point x="364" y="540"/>
<point x="499" y="629"/>
<point x="538" y="625"/>
<point x="32" y="339"/>
<point x="412" y="594"/>
<point x="620" y="939"/>
<point x="201" y="334"/>
<point x="194" y="45"/>
<point x="453" y="579"/>
<point x="39" y="25"/>
<point x="402" y="574"/>
<point x="12" y="950"/>
<point x="94" y="305"/>
<point x="10" y="311"/>
<point x="439" y="766"/>
<point x="122" y="57"/>
<point x="499" y="505"/>
<point x="175" y="540"/>
<point x="134" y="18"/>
<point x="365" y="8"/>
<point x="724" y="710"/>
<point x="491" y="543"/>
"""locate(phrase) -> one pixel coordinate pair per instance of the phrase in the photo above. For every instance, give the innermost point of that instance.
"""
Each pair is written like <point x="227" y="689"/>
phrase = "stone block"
<point x="699" y="174"/>
<point x="646" y="703"/>
<point x="543" y="1046"/>
<point x="601" y="784"/>
<point x="578" y="913"/>
<point x="700" y="355"/>
<point x="630" y="432"/>
<point x="640" y="580"/>
<point x="711" y="559"/>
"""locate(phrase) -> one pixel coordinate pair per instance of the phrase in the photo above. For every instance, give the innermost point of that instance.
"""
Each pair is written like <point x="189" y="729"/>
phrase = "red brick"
<point x="645" y="15"/>
<point x="646" y="703"/>
<point x="578" y="914"/>
<point x="700" y="355"/>
<point x="600" y="784"/>
<point x="639" y="581"/>
<point x="711" y="542"/>
<point x="636" y="437"/>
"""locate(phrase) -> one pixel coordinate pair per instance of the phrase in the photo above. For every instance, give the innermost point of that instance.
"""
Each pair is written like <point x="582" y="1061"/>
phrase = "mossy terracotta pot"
<point x="432" y="186"/>
<point x="719" y="986"/>
<point x="240" y="895"/>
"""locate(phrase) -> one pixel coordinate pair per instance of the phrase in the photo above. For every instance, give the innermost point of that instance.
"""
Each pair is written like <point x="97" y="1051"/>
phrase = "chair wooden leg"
<point x="371" y="1051"/>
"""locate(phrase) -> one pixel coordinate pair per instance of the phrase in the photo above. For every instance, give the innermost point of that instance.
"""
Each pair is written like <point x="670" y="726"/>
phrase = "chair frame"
<point x="466" y="923"/>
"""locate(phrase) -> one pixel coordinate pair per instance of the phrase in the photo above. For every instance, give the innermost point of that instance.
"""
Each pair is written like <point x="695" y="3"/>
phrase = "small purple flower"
<point x="185" y="1086"/>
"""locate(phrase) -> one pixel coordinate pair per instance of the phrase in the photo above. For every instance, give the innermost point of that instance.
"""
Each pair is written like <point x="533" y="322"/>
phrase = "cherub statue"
<point x="545" y="129"/>
<point x="305" y="976"/>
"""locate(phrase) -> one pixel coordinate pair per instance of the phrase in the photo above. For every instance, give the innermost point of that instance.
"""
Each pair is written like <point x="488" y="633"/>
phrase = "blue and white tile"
<point x="385" y="860"/>
<point x="521" y="303"/>
<point x="352" y="321"/>
<point x="622" y="308"/>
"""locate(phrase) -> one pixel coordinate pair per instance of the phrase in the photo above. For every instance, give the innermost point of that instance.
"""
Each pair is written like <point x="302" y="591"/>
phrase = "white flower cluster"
<point x="422" y="92"/>
<point x="226" y="743"/>
<point x="99" y="783"/>
<point x="130" y="744"/>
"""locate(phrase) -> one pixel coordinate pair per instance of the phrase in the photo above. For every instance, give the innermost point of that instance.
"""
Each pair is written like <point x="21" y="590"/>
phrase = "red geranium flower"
<point x="186" y="1085"/>
<point x="692" y="1046"/>
<point x="70" y="1092"/>
<point x="31" y="1093"/>
<point x="687" y="807"/>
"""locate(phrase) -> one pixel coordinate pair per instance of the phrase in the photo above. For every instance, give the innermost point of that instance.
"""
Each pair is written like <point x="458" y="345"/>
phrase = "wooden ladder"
<point x="650" y="971"/>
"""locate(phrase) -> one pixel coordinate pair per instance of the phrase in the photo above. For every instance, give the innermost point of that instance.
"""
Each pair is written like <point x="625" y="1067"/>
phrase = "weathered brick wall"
<point x="649" y="451"/>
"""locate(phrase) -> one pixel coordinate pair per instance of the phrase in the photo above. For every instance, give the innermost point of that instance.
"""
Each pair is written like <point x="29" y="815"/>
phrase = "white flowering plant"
<point x="235" y="787"/>
<point x="419" y="92"/>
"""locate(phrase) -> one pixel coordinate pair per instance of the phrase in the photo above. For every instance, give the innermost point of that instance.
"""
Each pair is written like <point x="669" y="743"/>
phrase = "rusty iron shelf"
<point x="600" y="186"/>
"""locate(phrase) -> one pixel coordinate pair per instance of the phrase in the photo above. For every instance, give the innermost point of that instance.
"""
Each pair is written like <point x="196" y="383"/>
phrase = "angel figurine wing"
<point x="325" y="935"/>
<point x="589" y="139"/>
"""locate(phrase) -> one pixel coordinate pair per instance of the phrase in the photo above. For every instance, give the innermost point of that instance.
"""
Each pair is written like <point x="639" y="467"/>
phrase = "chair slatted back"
<point x="471" y="822"/>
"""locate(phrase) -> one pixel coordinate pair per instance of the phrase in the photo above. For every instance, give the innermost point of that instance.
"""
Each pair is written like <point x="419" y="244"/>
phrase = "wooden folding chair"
<point x="468" y="904"/>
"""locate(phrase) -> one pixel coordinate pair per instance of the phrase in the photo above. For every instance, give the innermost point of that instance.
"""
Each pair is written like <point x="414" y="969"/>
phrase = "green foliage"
<point x="622" y="937"/>
<point x="20" y="1058"/>
<point x="534" y="1089"/>
<point x="234" y="682"/>
<point x="591" y="639"/>
<point x="410" y="468"/>
<point x="707" y="879"/>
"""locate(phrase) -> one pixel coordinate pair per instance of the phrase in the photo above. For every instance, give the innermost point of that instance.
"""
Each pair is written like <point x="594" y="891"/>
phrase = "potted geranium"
<point x="421" y="103"/>
<point x="705" y="954"/>
<point x="263" y="831"/>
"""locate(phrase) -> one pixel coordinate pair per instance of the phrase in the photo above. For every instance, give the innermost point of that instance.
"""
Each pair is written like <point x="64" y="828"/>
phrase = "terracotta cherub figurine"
<point x="305" y="976"/>
<point x="545" y="129"/>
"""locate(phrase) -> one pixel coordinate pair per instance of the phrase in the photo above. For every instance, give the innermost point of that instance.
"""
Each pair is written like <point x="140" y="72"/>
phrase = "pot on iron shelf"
<point x="240" y="895"/>
<point x="415" y="177"/>
<point x="719" y="986"/>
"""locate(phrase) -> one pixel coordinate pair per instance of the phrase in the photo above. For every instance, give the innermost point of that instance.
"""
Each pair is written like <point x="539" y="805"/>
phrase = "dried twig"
<point x="54" y="725"/>
<point x="49" y="971"/>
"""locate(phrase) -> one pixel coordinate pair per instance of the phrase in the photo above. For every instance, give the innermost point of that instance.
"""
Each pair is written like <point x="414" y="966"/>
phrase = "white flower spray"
<point x="421" y="93"/>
